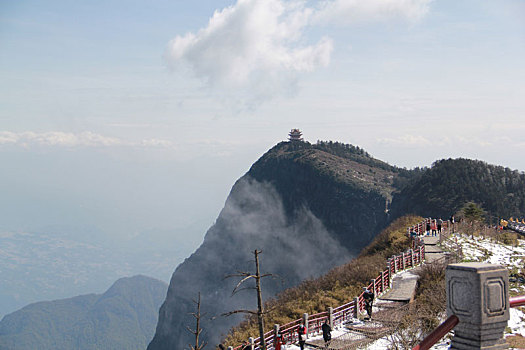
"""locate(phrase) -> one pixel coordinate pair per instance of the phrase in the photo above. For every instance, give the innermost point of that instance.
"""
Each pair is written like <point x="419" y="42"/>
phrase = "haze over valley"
<point x="133" y="134"/>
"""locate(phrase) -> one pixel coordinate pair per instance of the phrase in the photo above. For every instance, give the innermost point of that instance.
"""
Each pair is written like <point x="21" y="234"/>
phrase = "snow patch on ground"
<point x="486" y="250"/>
<point x="474" y="249"/>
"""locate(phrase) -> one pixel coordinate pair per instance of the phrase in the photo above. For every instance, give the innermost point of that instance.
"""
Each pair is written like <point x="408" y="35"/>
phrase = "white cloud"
<point x="157" y="143"/>
<point x="252" y="43"/>
<point x="59" y="138"/>
<point x="405" y="140"/>
<point x="68" y="139"/>
<point x="7" y="137"/>
<point x="257" y="48"/>
<point x="345" y="12"/>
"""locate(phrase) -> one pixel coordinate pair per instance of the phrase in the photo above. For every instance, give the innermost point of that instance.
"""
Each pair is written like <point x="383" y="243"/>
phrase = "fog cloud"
<point x="295" y="246"/>
<point x="298" y="244"/>
<point x="258" y="46"/>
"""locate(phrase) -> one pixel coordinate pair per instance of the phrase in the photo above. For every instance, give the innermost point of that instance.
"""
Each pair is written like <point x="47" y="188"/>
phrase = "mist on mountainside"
<point x="303" y="218"/>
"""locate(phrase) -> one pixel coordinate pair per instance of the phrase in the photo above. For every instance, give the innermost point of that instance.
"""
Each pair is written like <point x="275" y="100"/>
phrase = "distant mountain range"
<point x="122" y="318"/>
<point x="310" y="207"/>
<point x="48" y="265"/>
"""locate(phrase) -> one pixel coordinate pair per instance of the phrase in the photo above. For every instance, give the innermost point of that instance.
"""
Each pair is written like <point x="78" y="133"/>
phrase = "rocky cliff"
<point x="307" y="207"/>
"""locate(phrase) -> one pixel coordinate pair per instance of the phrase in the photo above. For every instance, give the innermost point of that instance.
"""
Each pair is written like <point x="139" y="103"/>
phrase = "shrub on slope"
<point x="338" y="286"/>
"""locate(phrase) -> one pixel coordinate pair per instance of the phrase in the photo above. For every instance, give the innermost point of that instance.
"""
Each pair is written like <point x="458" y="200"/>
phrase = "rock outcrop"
<point x="307" y="207"/>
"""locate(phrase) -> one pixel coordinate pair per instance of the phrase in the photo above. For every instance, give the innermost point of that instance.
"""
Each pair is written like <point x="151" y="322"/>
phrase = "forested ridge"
<point x="445" y="187"/>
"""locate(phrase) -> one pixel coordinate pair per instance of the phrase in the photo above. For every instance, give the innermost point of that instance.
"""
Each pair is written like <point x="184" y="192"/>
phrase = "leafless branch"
<point x="240" y="282"/>
<point x="240" y="311"/>
<point x="240" y="289"/>
<point x="239" y="274"/>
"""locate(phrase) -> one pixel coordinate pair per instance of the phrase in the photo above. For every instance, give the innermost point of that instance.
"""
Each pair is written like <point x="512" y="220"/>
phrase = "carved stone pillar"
<point x="477" y="294"/>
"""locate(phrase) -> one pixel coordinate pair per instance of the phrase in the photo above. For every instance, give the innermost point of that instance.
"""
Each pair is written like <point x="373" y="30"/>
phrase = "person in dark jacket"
<point x="301" y="335"/>
<point x="327" y="335"/>
<point x="368" y="297"/>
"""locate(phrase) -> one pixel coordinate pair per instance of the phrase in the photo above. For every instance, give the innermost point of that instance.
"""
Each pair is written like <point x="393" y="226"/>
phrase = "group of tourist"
<point x="432" y="227"/>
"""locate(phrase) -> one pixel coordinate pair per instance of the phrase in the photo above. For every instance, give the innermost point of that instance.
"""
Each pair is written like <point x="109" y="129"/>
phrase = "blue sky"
<point x="132" y="115"/>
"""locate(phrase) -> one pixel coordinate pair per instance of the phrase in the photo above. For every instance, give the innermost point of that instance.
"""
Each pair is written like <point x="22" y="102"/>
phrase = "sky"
<point x="129" y="116"/>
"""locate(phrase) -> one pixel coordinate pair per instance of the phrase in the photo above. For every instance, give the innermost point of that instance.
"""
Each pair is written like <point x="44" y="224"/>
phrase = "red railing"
<point x="517" y="301"/>
<point x="344" y="313"/>
<point x="289" y="331"/>
<point x="315" y="322"/>
<point x="438" y="333"/>
<point x="268" y="339"/>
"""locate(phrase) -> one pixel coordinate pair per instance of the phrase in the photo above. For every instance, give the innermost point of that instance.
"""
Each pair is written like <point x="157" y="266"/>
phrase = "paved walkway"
<point x="403" y="290"/>
<point x="432" y="251"/>
<point x="403" y="287"/>
<point x="404" y="284"/>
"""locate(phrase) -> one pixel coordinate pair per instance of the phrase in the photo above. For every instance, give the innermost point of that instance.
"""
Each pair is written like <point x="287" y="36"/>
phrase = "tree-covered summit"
<point x="444" y="188"/>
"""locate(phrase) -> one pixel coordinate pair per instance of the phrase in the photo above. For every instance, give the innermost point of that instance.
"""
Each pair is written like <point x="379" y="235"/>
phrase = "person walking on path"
<point x="301" y="335"/>
<point x="433" y="227"/>
<point x="327" y="335"/>
<point x="428" y="227"/>
<point x="368" y="297"/>
<point x="440" y="225"/>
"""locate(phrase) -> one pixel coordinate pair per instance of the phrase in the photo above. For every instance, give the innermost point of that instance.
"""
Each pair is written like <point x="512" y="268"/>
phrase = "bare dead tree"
<point x="260" y="308"/>
<point x="198" y="329"/>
